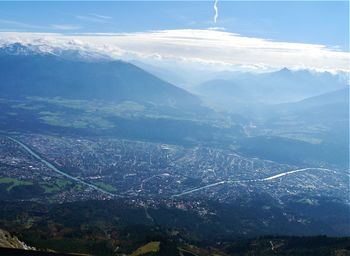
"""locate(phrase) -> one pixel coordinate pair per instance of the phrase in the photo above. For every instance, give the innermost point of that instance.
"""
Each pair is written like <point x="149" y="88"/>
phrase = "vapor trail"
<point x="216" y="10"/>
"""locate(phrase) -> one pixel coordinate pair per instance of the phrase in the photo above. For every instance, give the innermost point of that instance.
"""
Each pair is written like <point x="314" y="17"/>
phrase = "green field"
<point x="105" y="186"/>
<point x="14" y="182"/>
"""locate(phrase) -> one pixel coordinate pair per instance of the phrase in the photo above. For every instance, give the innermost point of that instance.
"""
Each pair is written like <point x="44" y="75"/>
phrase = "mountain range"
<point x="283" y="86"/>
<point x="66" y="90"/>
<point x="25" y="72"/>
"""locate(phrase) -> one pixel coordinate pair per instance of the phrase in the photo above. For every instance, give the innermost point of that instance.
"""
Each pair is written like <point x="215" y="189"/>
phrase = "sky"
<point x="303" y="22"/>
<point x="316" y="27"/>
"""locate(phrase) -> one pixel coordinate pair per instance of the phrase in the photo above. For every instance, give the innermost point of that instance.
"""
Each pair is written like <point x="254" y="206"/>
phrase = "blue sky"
<point x="313" y="22"/>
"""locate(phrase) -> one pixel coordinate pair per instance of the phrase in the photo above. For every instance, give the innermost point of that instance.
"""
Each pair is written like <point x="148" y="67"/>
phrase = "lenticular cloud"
<point x="189" y="46"/>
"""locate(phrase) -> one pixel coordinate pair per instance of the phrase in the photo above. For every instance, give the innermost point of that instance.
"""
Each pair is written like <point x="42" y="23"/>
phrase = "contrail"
<point x="216" y="10"/>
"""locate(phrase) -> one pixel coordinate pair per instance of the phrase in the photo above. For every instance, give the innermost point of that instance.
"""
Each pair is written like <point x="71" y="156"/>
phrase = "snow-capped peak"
<point x="71" y="50"/>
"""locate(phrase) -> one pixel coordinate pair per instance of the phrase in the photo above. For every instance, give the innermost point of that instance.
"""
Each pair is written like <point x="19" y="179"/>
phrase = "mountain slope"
<point x="313" y="131"/>
<point x="325" y="110"/>
<point x="339" y="97"/>
<point x="27" y="73"/>
<point x="9" y="241"/>
<point x="47" y="92"/>
<point x="269" y="88"/>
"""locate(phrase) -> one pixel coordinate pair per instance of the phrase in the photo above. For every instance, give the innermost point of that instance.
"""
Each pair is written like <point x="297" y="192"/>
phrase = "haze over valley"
<point x="171" y="141"/>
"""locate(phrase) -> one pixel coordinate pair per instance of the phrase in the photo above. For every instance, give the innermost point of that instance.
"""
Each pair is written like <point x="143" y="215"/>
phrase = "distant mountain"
<point x="326" y="104"/>
<point x="328" y="112"/>
<point x="336" y="97"/>
<point x="26" y="71"/>
<point x="311" y="131"/>
<point x="245" y="89"/>
<point x="331" y="107"/>
<point x="166" y="74"/>
<point x="69" y="52"/>
<point x="19" y="49"/>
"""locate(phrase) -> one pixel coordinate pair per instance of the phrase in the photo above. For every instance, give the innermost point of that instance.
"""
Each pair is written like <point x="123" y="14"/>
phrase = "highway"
<point x="251" y="180"/>
<point x="55" y="169"/>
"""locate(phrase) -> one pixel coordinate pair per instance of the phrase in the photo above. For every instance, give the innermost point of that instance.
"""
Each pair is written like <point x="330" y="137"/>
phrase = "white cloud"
<point x="19" y="24"/>
<point x="65" y="26"/>
<point x="95" y="18"/>
<point x="32" y="26"/>
<point x="206" y="47"/>
<point x="102" y="16"/>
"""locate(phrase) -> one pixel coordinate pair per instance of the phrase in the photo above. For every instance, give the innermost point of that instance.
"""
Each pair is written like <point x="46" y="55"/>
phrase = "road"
<point x="55" y="169"/>
<point x="181" y="251"/>
<point x="294" y="171"/>
<point x="251" y="180"/>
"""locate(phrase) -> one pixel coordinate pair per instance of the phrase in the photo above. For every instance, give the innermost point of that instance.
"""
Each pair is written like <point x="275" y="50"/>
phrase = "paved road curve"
<point x="52" y="167"/>
<point x="252" y="180"/>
